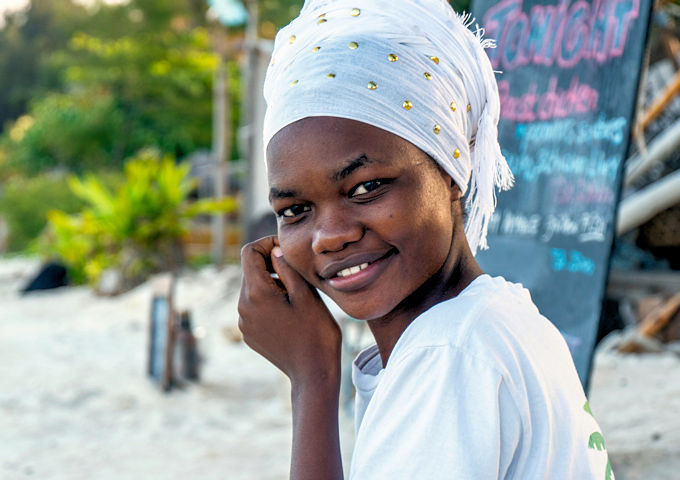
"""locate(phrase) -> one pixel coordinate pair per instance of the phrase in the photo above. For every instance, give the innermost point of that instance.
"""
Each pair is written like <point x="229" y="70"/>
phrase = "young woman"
<point x="383" y="158"/>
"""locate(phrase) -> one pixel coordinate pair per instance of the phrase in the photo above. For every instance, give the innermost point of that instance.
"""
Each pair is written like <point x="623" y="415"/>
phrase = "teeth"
<point x="352" y="270"/>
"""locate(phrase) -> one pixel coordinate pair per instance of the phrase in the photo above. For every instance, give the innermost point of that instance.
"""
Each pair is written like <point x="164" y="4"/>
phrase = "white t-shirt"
<point x="481" y="386"/>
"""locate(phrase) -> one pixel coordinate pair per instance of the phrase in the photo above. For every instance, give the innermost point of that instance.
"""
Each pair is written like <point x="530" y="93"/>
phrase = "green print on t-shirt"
<point x="586" y="407"/>
<point x="596" y="442"/>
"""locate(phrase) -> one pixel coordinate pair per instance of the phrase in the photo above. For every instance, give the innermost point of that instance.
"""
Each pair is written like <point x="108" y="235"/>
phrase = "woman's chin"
<point x="364" y="312"/>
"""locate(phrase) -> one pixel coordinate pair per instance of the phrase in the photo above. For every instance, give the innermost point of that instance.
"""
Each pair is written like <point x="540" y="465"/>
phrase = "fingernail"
<point x="276" y="251"/>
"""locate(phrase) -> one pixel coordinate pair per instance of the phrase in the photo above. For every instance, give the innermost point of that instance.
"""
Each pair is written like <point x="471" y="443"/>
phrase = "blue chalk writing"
<point x="546" y="148"/>
<point x="573" y="261"/>
<point x="569" y="131"/>
<point x="549" y="161"/>
<point x="559" y="259"/>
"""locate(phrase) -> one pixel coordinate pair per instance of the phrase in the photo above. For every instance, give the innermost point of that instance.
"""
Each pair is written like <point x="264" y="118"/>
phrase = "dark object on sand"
<point x="51" y="275"/>
<point x="188" y="359"/>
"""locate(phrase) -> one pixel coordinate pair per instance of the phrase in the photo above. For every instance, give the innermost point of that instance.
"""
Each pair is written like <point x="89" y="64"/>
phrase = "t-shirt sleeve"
<point x="440" y="413"/>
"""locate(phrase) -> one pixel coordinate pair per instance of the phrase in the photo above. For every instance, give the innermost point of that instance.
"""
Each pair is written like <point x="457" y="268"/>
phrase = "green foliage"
<point x="136" y="229"/>
<point x="26" y="44"/>
<point x="104" y="83"/>
<point x="275" y="14"/>
<point x="24" y="204"/>
<point x="75" y="132"/>
<point x="161" y="82"/>
<point x="461" y="6"/>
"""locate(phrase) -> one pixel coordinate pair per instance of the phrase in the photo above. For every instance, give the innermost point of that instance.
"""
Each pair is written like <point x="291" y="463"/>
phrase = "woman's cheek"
<point x="294" y="250"/>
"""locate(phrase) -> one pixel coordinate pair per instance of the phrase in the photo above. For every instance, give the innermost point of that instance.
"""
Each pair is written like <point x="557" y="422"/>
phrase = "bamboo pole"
<point x="644" y="204"/>
<point x="661" y="101"/>
<point x="658" y="151"/>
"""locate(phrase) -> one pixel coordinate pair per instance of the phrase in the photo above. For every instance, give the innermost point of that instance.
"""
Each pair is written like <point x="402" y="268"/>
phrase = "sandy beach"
<point x="75" y="402"/>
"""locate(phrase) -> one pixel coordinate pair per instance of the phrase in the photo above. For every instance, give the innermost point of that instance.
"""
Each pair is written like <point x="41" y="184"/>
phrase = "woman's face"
<point x="363" y="215"/>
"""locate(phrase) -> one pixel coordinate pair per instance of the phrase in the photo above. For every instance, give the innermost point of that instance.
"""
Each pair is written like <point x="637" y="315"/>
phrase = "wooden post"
<point x="252" y="88"/>
<point x="220" y="147"/>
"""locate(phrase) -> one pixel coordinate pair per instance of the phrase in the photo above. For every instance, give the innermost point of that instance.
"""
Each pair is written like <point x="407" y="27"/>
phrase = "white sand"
<point x="75" y="402"/>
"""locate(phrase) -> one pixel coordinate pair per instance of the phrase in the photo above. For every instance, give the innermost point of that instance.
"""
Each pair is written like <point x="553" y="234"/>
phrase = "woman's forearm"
<point x="316" y="443"/>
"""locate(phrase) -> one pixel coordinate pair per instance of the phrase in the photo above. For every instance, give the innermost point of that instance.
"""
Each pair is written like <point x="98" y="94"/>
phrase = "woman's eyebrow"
<point x="276" y="193"/>
<point x="350" y="167"/>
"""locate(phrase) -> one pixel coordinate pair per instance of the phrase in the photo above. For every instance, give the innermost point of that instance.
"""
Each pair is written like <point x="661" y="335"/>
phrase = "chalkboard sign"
<point x="161" y="332"/>
<point x="568" y="81"/>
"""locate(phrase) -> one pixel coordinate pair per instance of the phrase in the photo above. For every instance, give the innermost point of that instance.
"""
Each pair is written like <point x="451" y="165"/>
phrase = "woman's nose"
<point x="334" y="231"/>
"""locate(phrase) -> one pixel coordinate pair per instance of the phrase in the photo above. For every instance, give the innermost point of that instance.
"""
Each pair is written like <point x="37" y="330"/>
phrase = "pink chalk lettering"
<point x="556" y="103"/>
<point x="543" y="19"/>
<point x="575" y="34"/>
<point x="561" y="34"/>
<point x="581" y="192"/>
<point x="518" y="109"/>
<point x="578" y="99"/>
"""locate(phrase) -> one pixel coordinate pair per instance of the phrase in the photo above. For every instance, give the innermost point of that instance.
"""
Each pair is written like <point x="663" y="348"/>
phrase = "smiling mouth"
<point x="350" y="272"/>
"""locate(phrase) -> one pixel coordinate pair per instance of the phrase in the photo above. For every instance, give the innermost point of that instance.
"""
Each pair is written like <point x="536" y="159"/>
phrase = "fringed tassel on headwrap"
<point x="490" y="170"/>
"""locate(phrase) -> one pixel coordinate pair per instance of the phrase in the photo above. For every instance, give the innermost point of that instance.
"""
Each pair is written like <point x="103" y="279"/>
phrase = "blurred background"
<point x="131" y="170"/>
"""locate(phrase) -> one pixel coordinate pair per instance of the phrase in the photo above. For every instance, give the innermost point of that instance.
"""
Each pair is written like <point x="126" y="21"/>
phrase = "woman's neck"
<point x="454" y="276"/>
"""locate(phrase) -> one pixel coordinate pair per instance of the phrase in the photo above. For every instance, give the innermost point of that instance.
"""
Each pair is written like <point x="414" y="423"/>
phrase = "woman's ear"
<point x="456" y="194"/>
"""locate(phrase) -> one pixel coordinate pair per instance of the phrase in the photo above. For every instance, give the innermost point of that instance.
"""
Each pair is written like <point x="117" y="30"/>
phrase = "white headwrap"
<point x="412" y="68"/>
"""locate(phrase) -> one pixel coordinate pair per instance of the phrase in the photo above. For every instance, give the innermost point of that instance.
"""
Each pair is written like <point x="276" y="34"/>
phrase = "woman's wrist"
<point x="316" y="381"/>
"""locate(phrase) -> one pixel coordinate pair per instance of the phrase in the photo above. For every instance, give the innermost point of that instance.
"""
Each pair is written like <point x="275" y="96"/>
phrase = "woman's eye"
<point x="366" y="187"/>
<point x="294" y="211"/>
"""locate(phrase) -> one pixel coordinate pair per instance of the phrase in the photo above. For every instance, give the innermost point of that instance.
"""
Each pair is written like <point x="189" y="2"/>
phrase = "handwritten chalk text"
<point x="578" y="99"/>
<point x="561" y="34"/>
<point x="572" y="261"/>
<point x="546" y="148"/>
<point x="584" y="226"/>
<point x="614" y="131"/>
<point x="580" y="192"/>
<point x="553" y="161"/>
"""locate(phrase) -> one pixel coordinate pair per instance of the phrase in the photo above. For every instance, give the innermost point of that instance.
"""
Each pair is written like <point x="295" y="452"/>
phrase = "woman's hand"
<point x="286" y="321"/>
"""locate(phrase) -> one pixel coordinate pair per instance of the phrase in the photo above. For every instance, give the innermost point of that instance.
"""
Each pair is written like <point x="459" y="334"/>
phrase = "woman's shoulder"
<point x="488" y="304"/>
<point x="496" y="323"/>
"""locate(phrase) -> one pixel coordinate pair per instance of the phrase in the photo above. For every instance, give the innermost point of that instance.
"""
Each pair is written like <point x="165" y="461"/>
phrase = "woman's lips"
<point x="359" y="276"/>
